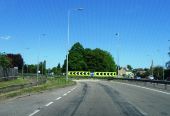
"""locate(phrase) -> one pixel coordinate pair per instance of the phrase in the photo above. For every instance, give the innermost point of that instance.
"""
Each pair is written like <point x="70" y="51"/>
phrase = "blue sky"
<point x="143" y="27"/>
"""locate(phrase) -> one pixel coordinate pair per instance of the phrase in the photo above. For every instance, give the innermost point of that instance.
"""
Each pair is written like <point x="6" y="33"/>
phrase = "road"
<point x="91" y="98"/>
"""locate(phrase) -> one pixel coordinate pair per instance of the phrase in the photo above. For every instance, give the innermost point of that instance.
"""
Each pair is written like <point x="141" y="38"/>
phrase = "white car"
<point x="138" y="77"/>
<point x="151" y="77"/>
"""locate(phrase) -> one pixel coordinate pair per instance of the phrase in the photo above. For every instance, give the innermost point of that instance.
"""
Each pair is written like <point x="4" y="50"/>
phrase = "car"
<point x="151" y="77"/>
<point x="138" y="77"/>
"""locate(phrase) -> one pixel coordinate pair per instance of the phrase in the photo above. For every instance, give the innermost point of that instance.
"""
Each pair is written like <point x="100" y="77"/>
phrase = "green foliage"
<point x="42" y="67"/>
<point x="144" y="74"/>
<point x="167" y="73"/>
<point x="58" y="66"/>
<point x="32" y="68"/>
<point x="81" y="59"/>
<point x="129" y="67"/>
<point x="13" y="82"/>
<point x="16" y="60"/>
<point x="158" y="72"/>
<point x="57" y="70"/>
<point x="4" y="61"/>
<point x="50" y="84"/>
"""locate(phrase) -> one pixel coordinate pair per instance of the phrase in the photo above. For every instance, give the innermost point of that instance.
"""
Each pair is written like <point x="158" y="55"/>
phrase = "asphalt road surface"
<point x="91" y="98"/>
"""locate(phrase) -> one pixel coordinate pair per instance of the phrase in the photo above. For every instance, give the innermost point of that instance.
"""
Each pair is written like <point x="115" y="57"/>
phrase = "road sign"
<point x="92" y="74"/>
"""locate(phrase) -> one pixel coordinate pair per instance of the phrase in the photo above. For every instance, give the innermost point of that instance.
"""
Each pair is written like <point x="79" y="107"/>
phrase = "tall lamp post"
<point x="151" y="67"/>
<point x="68" y="36"/>
<point x="116" y="37"/>
<point x="24" y="64"/>
<point x="38" y="54"/>
<point x="163" y="75"/>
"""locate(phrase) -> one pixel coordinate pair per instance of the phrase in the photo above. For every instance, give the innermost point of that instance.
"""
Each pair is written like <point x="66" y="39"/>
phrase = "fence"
<point x="8" y="74"/>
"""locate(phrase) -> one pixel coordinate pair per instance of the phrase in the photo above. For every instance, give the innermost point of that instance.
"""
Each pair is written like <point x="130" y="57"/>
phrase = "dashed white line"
<point x="65" y="94"/>
<point x="73" y="88"/>
<point x="144" y="88"/>
<point x="68" y="92"/>
<point x="36" y="111"/>
<point x="49" y="103"/>
<point x="58" y="98"/>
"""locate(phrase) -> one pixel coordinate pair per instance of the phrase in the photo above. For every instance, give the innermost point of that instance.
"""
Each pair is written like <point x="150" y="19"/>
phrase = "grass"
<point x="50" y="84"/>
<point x="17" y="81"/>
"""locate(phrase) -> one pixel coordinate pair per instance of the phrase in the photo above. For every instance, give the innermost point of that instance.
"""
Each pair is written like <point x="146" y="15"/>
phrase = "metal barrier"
<point x="165" y="83"/>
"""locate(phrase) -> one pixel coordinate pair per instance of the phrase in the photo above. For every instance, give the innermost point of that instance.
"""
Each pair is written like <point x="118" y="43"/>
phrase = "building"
<point x="125" y="73"/>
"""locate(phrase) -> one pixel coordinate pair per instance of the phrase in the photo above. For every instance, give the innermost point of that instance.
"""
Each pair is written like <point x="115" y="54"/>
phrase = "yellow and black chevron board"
<point x="92" y="74"/>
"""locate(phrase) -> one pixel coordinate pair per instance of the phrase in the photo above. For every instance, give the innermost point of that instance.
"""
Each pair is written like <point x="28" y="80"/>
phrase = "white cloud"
<point x="5" y="37"/>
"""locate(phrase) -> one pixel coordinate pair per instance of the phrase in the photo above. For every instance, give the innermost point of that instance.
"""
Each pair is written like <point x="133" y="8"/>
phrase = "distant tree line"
<point x="32" y="68"/>
<point x="157" y="72"/>
<point x="86" y="59"/>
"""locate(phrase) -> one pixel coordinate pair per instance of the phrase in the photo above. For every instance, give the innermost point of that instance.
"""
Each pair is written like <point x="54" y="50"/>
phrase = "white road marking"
<point x="36" y="111"/>
<point x="58" y="98"/>
<point x="49" y="103"/>
<point x="68" y="92"/>
<point x="65" y="94"/>
<point x="144" y="88"/>
<point x="73" y="88"/>
<point x="141" y="111"/>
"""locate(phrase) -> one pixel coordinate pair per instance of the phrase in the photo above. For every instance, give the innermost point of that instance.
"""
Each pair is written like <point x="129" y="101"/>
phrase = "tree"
<point x="32" y="68"/>
<point x="76" y="60"/>
<point x="158" y="72"/>
<point x="54" y="70"/>
<point x="58" y="66"/>
<point x="4" y="63"/>
<point x="16" y="60"/>
<point x="81" y="59"/>
<point x="42" y="67"/>
<point x="168" y="63"/>
<point x="129" y="67"/>
<point x="57" y="70"/>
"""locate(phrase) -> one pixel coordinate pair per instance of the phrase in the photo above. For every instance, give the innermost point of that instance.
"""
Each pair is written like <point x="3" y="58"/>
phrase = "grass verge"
<point x="50" y="84"/>
<point x="14" y="82"/>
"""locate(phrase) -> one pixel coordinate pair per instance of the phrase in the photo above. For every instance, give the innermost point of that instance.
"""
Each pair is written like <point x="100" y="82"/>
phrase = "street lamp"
<point x="162" y="66"/>
<point x="151" y="67"/>
<point x="116" y="36"/>
<point x="68" y="35"/>
<point x="23" y="65"/>
<point x="38" y="54"/>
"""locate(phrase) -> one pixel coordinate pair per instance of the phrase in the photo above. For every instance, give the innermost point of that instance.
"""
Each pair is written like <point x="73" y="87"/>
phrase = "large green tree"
<point x="75" y="57"/>
<point x="81" y="59"/>
<point x="57" y="70"/>
<point x="4" y="63"/>
<point x="16" y="60"/>
<point x="129" y="67"/>
<point x="158" y="72"/>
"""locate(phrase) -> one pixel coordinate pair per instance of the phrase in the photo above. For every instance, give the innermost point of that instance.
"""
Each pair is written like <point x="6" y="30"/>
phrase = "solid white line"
<point x="49" y="103"/>
<point x="36" y="111"/>
<point x="65" y="94"/>
<point x="144" y="88"/>
<point x="58" y="98"/>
